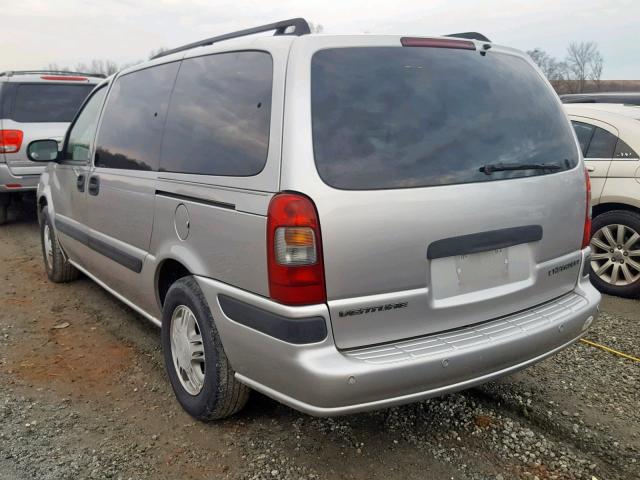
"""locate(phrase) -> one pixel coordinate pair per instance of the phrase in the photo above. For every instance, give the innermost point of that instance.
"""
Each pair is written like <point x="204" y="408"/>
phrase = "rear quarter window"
<point x="602" y="144"/>
<point x="47" y="102"/>
<point x="219" y="117"/>
<point x="624" y="151"/>
<point x="399" y="117"/>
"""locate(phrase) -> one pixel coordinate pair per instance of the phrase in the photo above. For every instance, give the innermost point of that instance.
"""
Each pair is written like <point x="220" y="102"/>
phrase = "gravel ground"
<point x="91" y="400"/>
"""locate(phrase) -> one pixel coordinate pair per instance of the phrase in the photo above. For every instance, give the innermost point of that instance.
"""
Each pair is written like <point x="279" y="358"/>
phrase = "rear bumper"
<point x="25" y="182"/>
<point x="321" y="380"/>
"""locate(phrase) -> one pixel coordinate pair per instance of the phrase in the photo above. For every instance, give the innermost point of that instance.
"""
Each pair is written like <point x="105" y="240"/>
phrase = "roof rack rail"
<point x="298" y="27"/>
<point x="9" y="73"/>
<point x="470" y="36"/>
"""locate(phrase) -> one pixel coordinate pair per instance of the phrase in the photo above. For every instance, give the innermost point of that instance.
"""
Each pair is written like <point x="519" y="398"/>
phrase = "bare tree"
<point x="104" y="67"/>
<point x="584" y="62"/>
<point x="552" y="68"/>
<point x="56" y="68"/>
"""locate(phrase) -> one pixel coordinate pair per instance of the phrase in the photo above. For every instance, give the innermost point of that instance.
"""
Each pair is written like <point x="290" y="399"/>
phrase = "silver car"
<point x="342" y="223"/>
<point x="34" y="105"/>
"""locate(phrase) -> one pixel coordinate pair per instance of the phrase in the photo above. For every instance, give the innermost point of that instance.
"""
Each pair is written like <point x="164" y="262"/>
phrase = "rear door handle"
<point x="80" y="182"/>
<point x="94" y="185"/>
<point x="591" y="169"/>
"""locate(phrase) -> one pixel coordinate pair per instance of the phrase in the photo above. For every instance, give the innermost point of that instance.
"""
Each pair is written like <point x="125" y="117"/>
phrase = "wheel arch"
<point x="610" y="206"/>
<point x="42" y="203"/>
<point x="169" y="270"/>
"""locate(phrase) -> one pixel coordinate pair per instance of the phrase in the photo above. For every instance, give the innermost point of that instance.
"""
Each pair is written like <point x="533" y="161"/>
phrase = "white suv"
<point x="609" y="135"/>
<point x="34" y="104"/>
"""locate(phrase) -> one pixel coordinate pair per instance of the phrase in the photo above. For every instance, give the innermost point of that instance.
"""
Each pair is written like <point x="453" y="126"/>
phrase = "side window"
<point x="219" y="117"/>
<point x="131" y="128"/>
<point x="584" y="132"/>
<point x="602" y="144"/>
<point x="83" y="131"/>
<point x="624" y="151"/>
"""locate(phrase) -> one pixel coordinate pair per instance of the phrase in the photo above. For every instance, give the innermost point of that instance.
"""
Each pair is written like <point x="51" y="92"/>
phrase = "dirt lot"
<point x="91" y="400"/>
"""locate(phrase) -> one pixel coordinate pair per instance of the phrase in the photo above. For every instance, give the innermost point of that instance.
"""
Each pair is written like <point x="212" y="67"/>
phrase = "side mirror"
<point x="43" y="151"/>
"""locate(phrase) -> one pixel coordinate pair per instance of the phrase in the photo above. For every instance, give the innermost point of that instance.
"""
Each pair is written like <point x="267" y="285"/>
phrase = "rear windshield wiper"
<point x="489" y="168"/>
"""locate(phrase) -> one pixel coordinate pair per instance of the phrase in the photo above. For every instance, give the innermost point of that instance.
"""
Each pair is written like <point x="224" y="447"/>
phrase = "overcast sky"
<point x="35" y="33"/>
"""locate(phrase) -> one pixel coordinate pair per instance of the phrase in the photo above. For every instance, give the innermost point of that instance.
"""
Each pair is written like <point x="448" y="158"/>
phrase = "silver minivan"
<point x="34" y="104"/>
<point x="342" y="223"/>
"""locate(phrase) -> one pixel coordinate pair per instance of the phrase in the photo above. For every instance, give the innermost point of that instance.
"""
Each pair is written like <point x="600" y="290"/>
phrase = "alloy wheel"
<point x="187" y="349"/>
<point x="615" y="256"/>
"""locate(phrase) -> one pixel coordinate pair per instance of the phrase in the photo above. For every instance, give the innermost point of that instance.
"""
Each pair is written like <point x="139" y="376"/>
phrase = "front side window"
<point x="219" y="117"/>
<point x="133" y="119"/>
<point x="48" y="102"/>
<point x="400" y="117"/>
<point x="83" y="131"/>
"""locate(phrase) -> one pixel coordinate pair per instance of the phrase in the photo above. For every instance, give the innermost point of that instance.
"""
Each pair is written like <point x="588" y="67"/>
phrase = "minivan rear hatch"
<point x="453" y="188"/>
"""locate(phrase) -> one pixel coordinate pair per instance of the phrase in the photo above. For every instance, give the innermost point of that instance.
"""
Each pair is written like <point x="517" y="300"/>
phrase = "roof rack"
<point x="294" y="26"/>
<point x="470" y="36"/>
<point x="10" y="73"/>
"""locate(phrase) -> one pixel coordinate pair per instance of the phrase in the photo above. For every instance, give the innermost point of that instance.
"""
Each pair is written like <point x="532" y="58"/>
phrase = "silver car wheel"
<point x="48" y="246"/>
<point x="615" y="256"/>
<point x="187" y="349"/>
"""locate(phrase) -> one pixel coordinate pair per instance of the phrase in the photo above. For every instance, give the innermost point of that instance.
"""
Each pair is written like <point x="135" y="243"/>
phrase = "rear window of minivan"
<point x="400" y="117"/>
<point x="43" y="102"/>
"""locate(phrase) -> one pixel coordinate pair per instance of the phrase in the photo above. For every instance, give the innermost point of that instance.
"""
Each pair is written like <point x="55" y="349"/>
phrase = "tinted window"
<point x="584" y="132"/>
<point x="84" y="129"/>
<point x="624" y="151"/>
<point x="393" y="117"/>
<point x="48" y="102"/>
<point x="218" y="121"/>
<point x="602" y="144"/>
<point x="2" y="99"/>
<point x="133" y="119"/>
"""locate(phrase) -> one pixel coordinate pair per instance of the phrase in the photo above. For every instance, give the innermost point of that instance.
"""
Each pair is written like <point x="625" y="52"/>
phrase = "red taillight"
<point x="10" y="141"/>
<point x="586" y="234"/>
<point x="69" y="78"/>
<point x="294" y="251"/>
<point x="437" y="43"/>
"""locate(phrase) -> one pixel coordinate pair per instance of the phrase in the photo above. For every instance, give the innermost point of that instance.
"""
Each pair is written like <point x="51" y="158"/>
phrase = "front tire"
<point x="58" y="268"/>
<point x="198" y="368"/>
<point x="615" y="253"/>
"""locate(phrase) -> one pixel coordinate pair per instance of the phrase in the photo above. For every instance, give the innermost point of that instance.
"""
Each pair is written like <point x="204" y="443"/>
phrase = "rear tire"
<point x="206" y="387"/>
<point x="615" y="253"/>
<point x="58" y="269"/>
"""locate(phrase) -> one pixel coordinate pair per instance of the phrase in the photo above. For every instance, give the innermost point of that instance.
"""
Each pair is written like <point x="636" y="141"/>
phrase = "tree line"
<point x="109" y="67"/>
<point x="101" y="67"/>
<point x="581" y="67"/>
